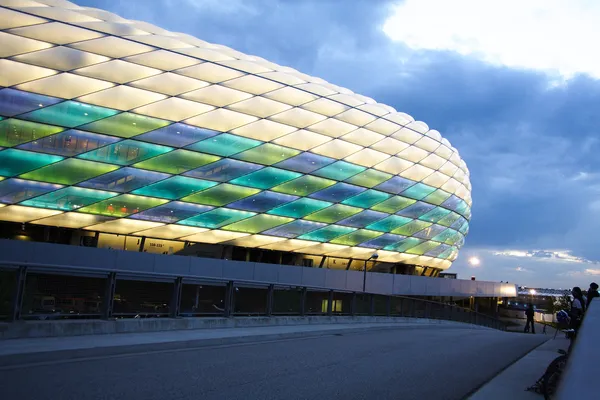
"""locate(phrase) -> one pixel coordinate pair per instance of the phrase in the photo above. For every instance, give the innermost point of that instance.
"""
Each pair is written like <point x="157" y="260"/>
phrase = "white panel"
<point x="263" y="130"/>
<point x="435" y="135"/>
<point x="163" y="59"/>
<point x="214" y="236"/>
<point x="252" y="84"/>
<point x="171" y="231"/>
<point x="165" y="42"/>
<point x="55" y="32"/>
<point x="60" y="3"/>
<point x="418" y="126"/>
<point x="444" y="152"/>
<point x="101" y="14"/>
<point x="332" y="127"/>
<point x="437" y="179"/>
<point x="383" y="126"/>
<point x="377" y="109"/>
<point x="118" y="71"/>
<point x="122" y="98"/>
<point x="316" y="89"/>
<point x="13" y="45"/>
<point x="169" y="83"/>
<point x="246" y="66"/>
<point x="65" y="85"/>
<point x="325" y="106"/>
<point x="13" y="19"/>
<point x="20" y="3"/>
<point x="174" y="109"/>
<point x="303" y="140"/>
<point x="12" y="72"/>
<point x="60" y="14"/>
<point x="451" y="186"/>
<point x="298" y="117"/>
<point x="407" y="135"/>
<point x="259" y="107"/>
<point x="217" y="95"/>
<point x="61" y="58"/>
<point x="282" y="77"/>
<point x="427" y="144"/>
<point x="363" y="137"/>
<point x="73" y="220"/>
<point x="25" y="214"/>
<point x="209" y="72"/>
<point x="356" y="253"/>
<point x="113" y="28"/>
<point x="448" y="168"/>
<point x="145" y="26"/>
<point x="321" y="249"/>
<point x="221" y="120"/>
<point x="289" y="245"/>
<point x="367" y="157"/>
<point x="291" y="96"/>
<point x="337" y="149"/>
<point x="347" y="99"/>
<point x="394" y="165"/>
<point x="433" y="161"/>
<point x="112" y="46"/>
<point x="390" y="145"/>
<point x="123" y="226"/>
<point x="356" y="117"/>
<point x="400" y="118"/>
<point x="417" y="172"/>
<point x="413" y="154"/>
<point x="205" y="54"/>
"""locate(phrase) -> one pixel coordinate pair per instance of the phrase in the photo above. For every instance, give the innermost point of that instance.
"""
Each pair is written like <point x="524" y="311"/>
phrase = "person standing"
<point x="592" y="292"/>
<point x="530" y="313"/>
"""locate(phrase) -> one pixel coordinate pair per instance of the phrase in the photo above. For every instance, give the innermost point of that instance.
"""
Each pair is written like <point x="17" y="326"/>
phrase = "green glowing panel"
<point x="14" y="131"/>
<point x="369" y="178"/>
<point x="465" y="228"/>
<point x="174" y="187"/>
<point x="266" y="178"/>
<point x="224" y="145"/>
<point x="217" y="218"/>
<point x="267" y="154"/>
<point x="418" y="191"/>
<point x="125" y="125"/>
<point x="423" y="248"/>
<point x="70" y="171"/>
<point x="123" y="205"/>
<point x="403" y="245"/>
<point x="339" y="170"/>
<point x="390" y="223"/>
<point x="69" y="113"/>
<point x="435" y="215"/>
<point x="437" y="197"/>
<point x="300" y="208"/>
<point x="449" y="236"/>
<point x="356" y="237"/>
<point x="449" y="219"/>
<point x="15" y="162"/>
<point x="333" y="214"/>
<point x="393" y="204"/>
<point x="258" y="223"/>
<point x="449" y="254"/>
<point x="69" y="198"/>
<point x="367" y="199"/>
<point x="327" y="233"/>
<point x="412" y="227"/>
<point x="177" y="161"/>
<point x="304" y="185"/>
<point x="126" y="152"/>
<point x="221" y="195"/>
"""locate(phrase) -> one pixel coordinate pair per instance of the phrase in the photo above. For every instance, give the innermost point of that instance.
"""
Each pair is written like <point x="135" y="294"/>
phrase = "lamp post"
<point x="374" y="256"/>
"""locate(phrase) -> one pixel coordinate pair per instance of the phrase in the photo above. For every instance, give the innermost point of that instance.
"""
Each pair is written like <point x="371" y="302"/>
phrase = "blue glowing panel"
<point x="16" y="190"/>
<point x="383" y="241"/>
<point x="363" y="218"/>
<point x="14" y="102"/>
<point x="418" y="191"/>
<point x="172" y="212"/>
<point x="177" y="135"/>
<point x="263" y="201"/>
<point x="305" y="162"/>
<point x="69" y="143"/>
<point x="395" y="185"/>
<point x="437" y="251"/>
<point x="294" y="229"/>
<point x="458" y="223"/>
<point x="451" y="203"/>
<point x="416" y="210"/>
<point x="338" y="192"/>
<point x="124" y="180"/>
<point x="430" y="232"/>
<point x="224" y="170"/>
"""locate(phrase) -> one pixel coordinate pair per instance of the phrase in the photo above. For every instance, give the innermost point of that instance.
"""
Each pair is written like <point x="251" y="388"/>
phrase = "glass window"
<point x="69" y="143"/>
<point x="124" y="180"/>
<point x="14" y="102"/>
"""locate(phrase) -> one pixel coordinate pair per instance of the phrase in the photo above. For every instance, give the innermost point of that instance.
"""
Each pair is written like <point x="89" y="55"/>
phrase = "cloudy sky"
<point x="513" y="84"/>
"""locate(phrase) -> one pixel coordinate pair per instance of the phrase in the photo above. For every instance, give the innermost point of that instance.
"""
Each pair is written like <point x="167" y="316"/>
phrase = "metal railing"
<point x="41" y="291"/>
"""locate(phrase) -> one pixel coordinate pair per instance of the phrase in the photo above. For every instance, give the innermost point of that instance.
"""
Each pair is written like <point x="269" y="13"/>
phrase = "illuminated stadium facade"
<point x="151" y="140"/>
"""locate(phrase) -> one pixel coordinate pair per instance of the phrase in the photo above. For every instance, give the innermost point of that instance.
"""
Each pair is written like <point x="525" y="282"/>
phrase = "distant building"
<point x="448" y="275"/>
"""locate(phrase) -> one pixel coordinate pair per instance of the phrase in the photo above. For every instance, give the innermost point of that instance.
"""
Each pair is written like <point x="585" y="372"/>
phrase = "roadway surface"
<point x="428" y="362"/>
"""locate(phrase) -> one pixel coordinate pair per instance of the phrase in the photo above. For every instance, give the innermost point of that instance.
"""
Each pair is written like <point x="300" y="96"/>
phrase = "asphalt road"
<point x="418" y="363"/>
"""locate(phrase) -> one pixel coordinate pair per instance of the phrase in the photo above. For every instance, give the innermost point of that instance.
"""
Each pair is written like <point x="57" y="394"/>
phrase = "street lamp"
<point x="374" y="256"/>
<point x="474" y="261"/>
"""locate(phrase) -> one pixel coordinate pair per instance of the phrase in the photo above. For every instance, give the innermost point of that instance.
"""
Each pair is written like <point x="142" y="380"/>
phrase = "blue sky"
<point x="512" y="85"/>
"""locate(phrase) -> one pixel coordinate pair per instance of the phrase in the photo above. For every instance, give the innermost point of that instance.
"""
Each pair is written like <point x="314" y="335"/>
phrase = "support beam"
<point x="18" y="295"/>
<point x="229" y="300"/>
<point x="349" y="264"/>
<point x="330" y="303"/>
<point x="175" y="305"/>
<point x="322" y="261"/>
<point x="270" y="299"/>
<point x="142" y="243"/>
<point x="424" y="271"/>
<point x="109" y="295"/>
<point x="303" y="301"/>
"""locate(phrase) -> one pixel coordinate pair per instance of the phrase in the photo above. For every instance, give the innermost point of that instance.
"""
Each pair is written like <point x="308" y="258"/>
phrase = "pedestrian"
<point x="592" y="292"/>
<point x="530" y="312"/>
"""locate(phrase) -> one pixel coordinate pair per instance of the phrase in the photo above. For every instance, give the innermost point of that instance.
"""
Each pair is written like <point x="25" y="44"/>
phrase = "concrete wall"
<point x="45" y="254"/>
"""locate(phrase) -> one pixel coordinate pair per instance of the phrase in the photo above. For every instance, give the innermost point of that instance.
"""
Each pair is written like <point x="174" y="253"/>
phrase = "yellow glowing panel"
<point x="347" y="99"/>
<point x="25" y="214"/>
<point x="118" y="71"/>
<point x="13" y="45"/>
<point x="289" y="95"/>
<point x="209" y="72"/>
<point x="332" y="127"/>
<point x="73" y="220"/>
<point x="383" y="126"/>
<point x="164" y="60"/>
<point x="112" y="46"/>
<point x="123" y="226"/>
<point x="390" y="145"/>
<point x="413" y="154"/>
<point x="436" y="179"/>
<point x="171" y="231"/>
<point x="255" y="240"/>
<point x="60" y="14"/>
<point x="316" y="89"/>
<point x="417" y="172"/>
<point x="164" y="42"/>
<point x="259" y="107"/>
<point x="13" y="73"/>
<point x="337" y="149"/>
<point x="252" y="84"/>
<point x="221" y="120"/>
<point x="433" y="161"/>
<point x="205" y="54"/>
<point x="367" y="157"/>
<point x="448" y="168"/>
<point x="65" y="85"/>
<point x="376" y="109"/>
<point x="322" y="248"/>
<point x="263" y="130"/>
<point x="56" y="32"/>
<point x="12" y="19"/>
<point x="169" y="83"/>
<point x="363" y="137"/>
<point x="245" y="66"/>
<point x="358" y="253"/>
<point x="400" y="118"/>
<point x="325" y="107"/>
<point x="393" y="165"/>
<point x="298" y="117"/>
<point x="289" y="245"/>
<point x="215" y="236"/>
<point x="122" y="98"/>
<point x="217" y="95"/>
<point x="407" y="135"/>
<point x="303" y="140"/>
<point x="61" y="58"/>
<point x="282" y="77"/>
<point x="174" y="109"/>
<point x="356" y="117"/>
